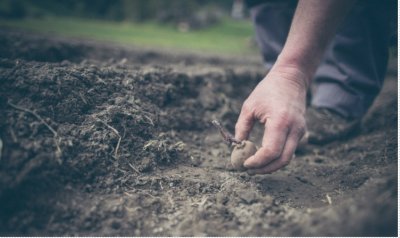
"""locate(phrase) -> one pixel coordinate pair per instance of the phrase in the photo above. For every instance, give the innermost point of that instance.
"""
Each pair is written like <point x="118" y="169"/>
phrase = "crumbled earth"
<point x="99" y="139"/>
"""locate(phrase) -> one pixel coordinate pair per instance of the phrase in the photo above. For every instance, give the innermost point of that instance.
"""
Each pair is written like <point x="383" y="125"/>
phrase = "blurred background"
<point x="221" y="26"/>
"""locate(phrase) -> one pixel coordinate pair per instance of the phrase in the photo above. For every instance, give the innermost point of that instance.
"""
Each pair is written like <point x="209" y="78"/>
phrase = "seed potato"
<point x="241" y="152"/>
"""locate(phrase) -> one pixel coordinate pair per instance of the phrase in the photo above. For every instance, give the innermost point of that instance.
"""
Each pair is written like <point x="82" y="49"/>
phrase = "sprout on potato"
<point x="242" y="150"/>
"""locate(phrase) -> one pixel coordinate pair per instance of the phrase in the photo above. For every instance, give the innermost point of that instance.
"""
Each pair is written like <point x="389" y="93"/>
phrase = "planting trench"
<point x="99" y="139"/>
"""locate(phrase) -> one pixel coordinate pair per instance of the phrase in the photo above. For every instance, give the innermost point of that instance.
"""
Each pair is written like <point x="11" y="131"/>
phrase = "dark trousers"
<point x="354" y="65"/>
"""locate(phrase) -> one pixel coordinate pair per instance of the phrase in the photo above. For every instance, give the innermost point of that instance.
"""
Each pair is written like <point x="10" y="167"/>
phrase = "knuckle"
<point x="281" y="123"/>
<point x="284" y="120"/>
<point x="285" y="115"/>
<point x="300" y="128"/>
<point x="246" y="107"/>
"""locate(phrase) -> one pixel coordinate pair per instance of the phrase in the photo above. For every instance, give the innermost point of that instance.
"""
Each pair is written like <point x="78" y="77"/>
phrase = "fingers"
<point x="285" y="158"/>
<point x="244" y="124"/>
<point x="274" y="139"/>
<point x="297" y="131"/>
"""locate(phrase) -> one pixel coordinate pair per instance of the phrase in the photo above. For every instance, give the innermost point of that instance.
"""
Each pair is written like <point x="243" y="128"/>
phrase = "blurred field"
<point x="227" y="37"/>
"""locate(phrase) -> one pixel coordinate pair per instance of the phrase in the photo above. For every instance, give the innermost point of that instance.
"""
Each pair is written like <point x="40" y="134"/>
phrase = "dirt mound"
<point x="114" y="145"/>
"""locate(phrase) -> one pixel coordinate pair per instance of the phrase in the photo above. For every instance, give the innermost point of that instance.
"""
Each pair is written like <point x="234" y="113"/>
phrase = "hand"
<point x="278" y="102"/>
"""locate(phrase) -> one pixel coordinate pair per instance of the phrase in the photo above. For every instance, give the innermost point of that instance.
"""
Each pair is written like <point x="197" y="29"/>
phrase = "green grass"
<point x="228" y="37"/>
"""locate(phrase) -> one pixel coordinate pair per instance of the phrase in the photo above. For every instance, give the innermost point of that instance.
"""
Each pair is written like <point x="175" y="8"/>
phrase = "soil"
<point x="99" y="139"/>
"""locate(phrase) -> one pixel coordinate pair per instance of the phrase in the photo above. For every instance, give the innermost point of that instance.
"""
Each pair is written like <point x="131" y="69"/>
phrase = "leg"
<point x="354" y="66"/>
<point x="351" y="74"/>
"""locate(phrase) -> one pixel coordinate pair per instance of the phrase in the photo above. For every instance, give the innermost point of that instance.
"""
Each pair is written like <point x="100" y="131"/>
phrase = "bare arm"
<point x="278" y="101"/>
<point x="314" y="25"/>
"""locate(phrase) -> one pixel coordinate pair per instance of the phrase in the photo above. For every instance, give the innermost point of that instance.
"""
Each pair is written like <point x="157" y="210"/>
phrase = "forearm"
<point x="314" y="25"/>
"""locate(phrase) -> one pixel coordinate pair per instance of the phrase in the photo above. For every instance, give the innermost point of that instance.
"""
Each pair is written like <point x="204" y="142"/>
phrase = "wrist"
<point x="293" y="72"/>
<point x="304" y="61"/>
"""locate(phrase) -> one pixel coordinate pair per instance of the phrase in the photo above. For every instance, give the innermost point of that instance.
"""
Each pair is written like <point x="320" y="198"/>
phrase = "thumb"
<point x="244" y="124"/>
